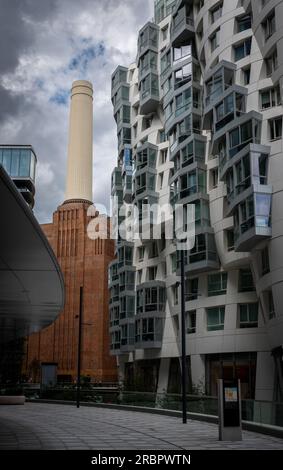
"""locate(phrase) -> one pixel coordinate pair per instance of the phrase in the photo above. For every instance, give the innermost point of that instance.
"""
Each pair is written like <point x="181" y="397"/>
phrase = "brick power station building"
<point x="84" y="262"/>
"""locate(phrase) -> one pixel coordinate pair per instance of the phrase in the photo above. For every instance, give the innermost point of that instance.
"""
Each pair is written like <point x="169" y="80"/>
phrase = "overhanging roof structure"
<point x="31" y="282"/>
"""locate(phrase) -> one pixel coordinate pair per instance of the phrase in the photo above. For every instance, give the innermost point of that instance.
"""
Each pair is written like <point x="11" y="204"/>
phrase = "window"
<point x="152" y="271"/>
<point x="247" y="75"/>
<point x="163" y="156"/>
<point x="191" y="322"/>
<point x="269" y="26"/>
<point x="167" y="85"/>
<point x="168" y="111"/>
<point x="243" y="49"/>
<point x="175" y="290"/>
<point x="270" y="98"/>
<point x="139" y="276"/>
<point x="271" y="308"/>
<point x="182" y="52"/>
<point x="217" y="284"/>
<point x="140" y="253"/>
<point x="230" y="240"/>
<point x="161" y="178"/>
<point x="183" y="75"/>
<point x="265" y="268"/>
<point x="248" y="315"/>
<point x="216" y="12"/>
<point x="213" y="178"/>
<point x="164" y="32"/>
<point x="191" y="289"/>
<point x="271" y="63"/>
<point x="214" y="40"/>
<point x="165" y="62"/>
<point x="183" y="101"/>
<point x="242" y="136"/>
<point x="275" y="128"/>
<point x="243" y="23"/>
<point x="215" y="318"/>
<point x="246" y="282"/>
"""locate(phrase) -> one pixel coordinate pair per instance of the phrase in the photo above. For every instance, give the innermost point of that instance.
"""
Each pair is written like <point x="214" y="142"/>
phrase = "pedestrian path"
<point x="47" y="426"/>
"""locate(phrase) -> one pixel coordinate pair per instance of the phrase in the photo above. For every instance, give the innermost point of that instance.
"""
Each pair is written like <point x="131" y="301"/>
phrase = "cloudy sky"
<point x="44" y="46"/>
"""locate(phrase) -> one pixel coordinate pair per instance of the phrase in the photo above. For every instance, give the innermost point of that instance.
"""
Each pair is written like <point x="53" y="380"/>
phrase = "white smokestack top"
<point x="80" y="148"/>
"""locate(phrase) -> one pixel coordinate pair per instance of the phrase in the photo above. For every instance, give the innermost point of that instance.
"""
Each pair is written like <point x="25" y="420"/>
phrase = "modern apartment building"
<point x="199" y="121"/>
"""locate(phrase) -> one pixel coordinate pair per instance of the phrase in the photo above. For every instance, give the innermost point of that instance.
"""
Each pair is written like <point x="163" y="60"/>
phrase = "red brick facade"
<point x="84" y="262"/>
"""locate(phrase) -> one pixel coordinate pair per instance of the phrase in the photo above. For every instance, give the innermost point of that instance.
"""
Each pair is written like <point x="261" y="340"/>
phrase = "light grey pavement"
<point x="48" y="426"/>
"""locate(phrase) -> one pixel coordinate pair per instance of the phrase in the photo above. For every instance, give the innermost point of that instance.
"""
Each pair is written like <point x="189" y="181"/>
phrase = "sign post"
<point x="229" y="403"/>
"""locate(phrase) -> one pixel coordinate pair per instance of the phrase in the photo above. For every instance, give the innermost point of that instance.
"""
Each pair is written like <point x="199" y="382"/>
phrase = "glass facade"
<point x="18" y="162"/>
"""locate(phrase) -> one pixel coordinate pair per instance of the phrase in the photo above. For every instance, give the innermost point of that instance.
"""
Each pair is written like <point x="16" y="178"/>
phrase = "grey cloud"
<point x="10" y="103"/>
<point x="15" y="36"/>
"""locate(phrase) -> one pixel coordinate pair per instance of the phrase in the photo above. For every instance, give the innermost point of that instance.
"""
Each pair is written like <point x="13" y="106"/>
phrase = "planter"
<point x="12" y="400"/>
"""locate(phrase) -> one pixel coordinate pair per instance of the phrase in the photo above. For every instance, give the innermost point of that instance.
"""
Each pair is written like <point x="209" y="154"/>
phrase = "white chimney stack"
<point x="80" y="147"/>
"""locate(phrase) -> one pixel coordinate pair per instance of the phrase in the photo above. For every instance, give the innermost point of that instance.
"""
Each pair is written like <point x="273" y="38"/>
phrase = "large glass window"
<point x="216" y="12"/>
<point x="243" y="23"/>
<point x="215" y="40"/>
<point x="191" y="322"/>
<point x="269" y="26"/>
<point x="215" y="318"/>
<point x="246" y="282"/>
<point x="248" y="315"/>
<point x="270" y="98"/>
<point x="271" y="63"/>
<point x="275" y="128"/>
<point x="243" y="49"/>
<point x="191" y="289"/>
<point x="183" y="75"/>
<point x="265" y="268"/>
<point x="217" y="284"/>
<point x="182" y="52"/>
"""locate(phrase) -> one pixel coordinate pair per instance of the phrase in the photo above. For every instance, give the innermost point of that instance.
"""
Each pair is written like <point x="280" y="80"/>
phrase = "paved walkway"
<point x="47" y="426"/>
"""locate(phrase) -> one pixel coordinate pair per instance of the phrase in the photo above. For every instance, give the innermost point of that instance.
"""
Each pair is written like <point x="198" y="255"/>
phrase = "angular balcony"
<point x="149" y="93"/>
<point x="128" y="337"/>
<point x="203" y="257"/>
<point x="127" y="279"/>
<point x="114" y="317"/>
<point x="113" y="276"/>
<point x="241" y="133"/>
<point x="115" y="341"/>
<point x="145" y="159"/>
<point x="150" y="314"/>
<point x="114" y="295"/>
<point x="144" y="184"/>
<point x="148" y="39"/>
<point x="219" y="79"/>
<point x="188" y="185"/>
<point x="127" y="307"/>
<point x="244" y="173"/>
<point x="125" y="255"/>
<point x="252" y="219"/>
<point x="121" y="97"/>
<point x="119" y="77"/>
<point x="124" y="137"/>
<point x="116" y="181"/>
<point x="182" y="27"/>
<point x="148" y="63"/>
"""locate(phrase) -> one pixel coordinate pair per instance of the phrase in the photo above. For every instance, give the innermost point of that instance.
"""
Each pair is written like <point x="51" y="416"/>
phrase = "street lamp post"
<point x="79" y="348"/>
<point x="183" y="339"/>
